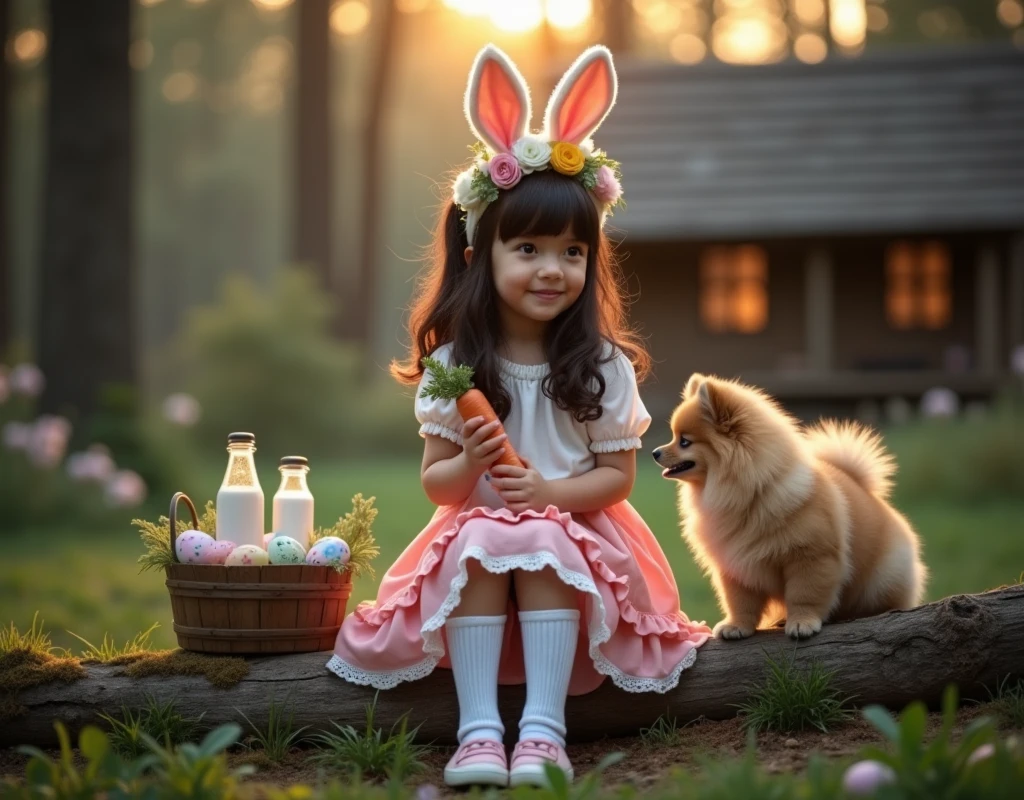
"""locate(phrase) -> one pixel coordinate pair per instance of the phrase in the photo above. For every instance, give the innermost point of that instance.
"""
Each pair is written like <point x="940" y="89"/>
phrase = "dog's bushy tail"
<point x="857" y="451"/>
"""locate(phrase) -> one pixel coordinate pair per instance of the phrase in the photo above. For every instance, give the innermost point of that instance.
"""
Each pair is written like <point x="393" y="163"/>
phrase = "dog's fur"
<point x="788" y="523"/>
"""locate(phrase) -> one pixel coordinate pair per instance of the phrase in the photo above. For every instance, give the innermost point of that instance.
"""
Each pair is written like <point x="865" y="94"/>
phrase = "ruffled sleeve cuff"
<point x="616" y="445"/>
<point x="437" y="429"/>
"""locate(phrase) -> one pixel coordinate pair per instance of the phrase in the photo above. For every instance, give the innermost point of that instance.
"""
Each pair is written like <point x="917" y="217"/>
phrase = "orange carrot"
<point x="456" y="383"/>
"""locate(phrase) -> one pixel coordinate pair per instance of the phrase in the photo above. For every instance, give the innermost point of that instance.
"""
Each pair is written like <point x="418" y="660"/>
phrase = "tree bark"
<point x="971" y="640"/>
<point x="86" y="324"/>
<point x="314" y="176"/>
<point x="6" y="284"/>
<point x="361" y="312"/>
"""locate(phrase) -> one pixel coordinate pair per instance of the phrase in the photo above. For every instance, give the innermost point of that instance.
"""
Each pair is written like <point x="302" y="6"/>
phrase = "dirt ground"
<point x="643" y="765"/>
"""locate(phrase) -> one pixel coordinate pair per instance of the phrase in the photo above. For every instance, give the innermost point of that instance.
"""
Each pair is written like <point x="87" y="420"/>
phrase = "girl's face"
<point x="538" y="277"/>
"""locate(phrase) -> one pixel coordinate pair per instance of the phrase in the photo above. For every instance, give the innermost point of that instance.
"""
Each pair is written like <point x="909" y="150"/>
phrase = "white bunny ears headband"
<point x="498" y="110"/>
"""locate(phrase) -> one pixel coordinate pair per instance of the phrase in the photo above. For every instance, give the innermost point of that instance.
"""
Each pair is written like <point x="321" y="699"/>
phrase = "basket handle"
<point x="178" y="496"/>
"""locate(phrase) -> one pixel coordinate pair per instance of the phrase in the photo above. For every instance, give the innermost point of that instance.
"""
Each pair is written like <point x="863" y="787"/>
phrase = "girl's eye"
<point x="527" y="248"/>
<point x="684" y="442"/>
<point x="575" y="252"/>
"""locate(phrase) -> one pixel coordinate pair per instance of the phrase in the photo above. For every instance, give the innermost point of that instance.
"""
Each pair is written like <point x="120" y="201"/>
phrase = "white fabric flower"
<point x="483" y="166"/>
<point x="532" y="153"/>
<point x="462" y="190"/>
<point x="587" y="146"/>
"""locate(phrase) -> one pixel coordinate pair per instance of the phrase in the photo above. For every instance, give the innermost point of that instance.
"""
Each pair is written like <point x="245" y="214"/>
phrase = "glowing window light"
<point x="180" y="86"/>
<point x="687" y="48"/>
<point x="848" y="22"/>
<point x="518" y="17"/>
<point x="1010" y="13"/>
<point x="471" y="8"/>
<point x="809" y="12"/>
<point x="350" y="17"/>
<point x="810" y="48"/>
<point x="568" y="14"/>
<point x="749" y="39"/>
<point x="663" y="17"/>
<point x="140" y="54"/>
<point x="29" y="45"/>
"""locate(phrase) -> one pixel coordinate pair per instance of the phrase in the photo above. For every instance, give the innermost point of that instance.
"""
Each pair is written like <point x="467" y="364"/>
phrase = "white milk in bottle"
<point x="240" y="499"/>
<point x="293" y="502"/>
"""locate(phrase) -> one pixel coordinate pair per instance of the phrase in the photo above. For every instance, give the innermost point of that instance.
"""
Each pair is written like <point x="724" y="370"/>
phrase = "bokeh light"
<point x="180" y="86"/>
<point x="749" y="38"/>
<point x="140" y="54"/>
<point x="569" y="14"/>
<point x="878" y="19"/>
<point x="810" y="12"/>
<point x="471" y="8"/>
<point x="146" y="3"/>
<point x="350" y="17"/>
<point x="273" y="5"/>
<point x="517" y="17"/>
<point x="848" y="22"/>
<point x="412" y="6"/>
<point x="29" y="45"/>
<point x="663" y="17"/>
<point x="1010" y="13"/>
<point x="686" y="48"/>
<point x="810" y="48"/>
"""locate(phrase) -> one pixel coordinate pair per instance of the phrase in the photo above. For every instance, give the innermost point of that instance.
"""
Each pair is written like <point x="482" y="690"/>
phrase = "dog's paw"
<point x="728" y="630"/>
<point x="803" y="628"/>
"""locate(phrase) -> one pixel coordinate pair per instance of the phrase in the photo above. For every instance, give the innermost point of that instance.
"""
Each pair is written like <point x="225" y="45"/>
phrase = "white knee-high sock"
<point x="549" y="645"/>
<point x="474" y="647"/>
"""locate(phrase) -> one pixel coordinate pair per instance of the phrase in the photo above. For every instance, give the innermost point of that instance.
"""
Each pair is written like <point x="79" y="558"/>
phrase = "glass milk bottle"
<point x="293" y="502"/>
<point x="240" y="499"/>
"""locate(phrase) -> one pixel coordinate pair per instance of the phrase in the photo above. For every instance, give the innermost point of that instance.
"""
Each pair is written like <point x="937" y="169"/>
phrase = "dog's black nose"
<point x="657" y="454"/>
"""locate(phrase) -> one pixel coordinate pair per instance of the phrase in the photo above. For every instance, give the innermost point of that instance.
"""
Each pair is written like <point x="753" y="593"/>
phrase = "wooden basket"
<point x="272" y="609"/>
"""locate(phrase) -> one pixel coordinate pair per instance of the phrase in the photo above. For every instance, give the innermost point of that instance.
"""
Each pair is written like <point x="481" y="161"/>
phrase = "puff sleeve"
<point x="624" y="419"/>
<point x="438" y="417"/>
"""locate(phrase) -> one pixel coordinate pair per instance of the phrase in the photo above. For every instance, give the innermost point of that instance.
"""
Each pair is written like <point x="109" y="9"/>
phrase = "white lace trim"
<point x="597" y="630"/>
<point x="529" y="372"/>
<point x="437" y="429"/>
<point x="615" y="445"/>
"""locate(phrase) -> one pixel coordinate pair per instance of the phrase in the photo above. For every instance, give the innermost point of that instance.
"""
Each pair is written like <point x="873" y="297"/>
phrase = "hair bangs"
<point x="548" y="204"/>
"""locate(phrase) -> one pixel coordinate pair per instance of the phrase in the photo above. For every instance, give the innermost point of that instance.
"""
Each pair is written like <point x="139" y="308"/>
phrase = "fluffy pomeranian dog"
<point x="789" y="523"/>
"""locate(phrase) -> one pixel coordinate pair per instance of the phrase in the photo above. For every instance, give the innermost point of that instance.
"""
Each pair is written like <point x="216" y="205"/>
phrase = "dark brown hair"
<point x="459" y="304"/>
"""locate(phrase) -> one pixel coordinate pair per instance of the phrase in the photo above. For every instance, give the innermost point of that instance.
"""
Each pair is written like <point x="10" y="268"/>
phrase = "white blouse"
<point x="554" y="443"/>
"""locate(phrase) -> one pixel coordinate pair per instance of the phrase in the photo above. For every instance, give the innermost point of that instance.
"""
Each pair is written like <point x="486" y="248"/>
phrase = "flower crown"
<point x="498" y="110"/>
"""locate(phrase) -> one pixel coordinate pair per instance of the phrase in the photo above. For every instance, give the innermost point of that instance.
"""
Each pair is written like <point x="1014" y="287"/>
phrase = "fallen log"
<point x="971" y="640"/>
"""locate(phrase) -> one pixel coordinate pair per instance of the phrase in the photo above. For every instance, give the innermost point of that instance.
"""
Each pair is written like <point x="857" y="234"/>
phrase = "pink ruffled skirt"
<point x="631" y="630"/>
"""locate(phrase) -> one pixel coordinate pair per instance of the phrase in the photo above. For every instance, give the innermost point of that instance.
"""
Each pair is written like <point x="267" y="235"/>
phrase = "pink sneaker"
<point x="479" y="762"/>
<point x="529" y="758"/>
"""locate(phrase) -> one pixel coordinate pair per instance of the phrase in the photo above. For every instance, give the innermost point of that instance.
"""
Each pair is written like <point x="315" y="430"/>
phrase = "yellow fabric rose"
<point x="567" y="158"/>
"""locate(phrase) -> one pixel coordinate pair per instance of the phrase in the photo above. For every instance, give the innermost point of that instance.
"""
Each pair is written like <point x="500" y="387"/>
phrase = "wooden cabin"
<point x="846" y="231"/>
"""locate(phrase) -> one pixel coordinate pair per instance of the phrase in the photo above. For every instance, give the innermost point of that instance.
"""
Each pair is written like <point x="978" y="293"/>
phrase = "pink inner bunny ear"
<point x="583" y="97"/>
<point x="497" y="100"/>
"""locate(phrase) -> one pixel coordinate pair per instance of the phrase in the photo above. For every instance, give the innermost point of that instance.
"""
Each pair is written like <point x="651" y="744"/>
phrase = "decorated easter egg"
<point x="219" y="552"/>
<point x="286" y="550"/>
<point x="248" y="555"/>
<point x="193" y="546"/>
<point x="329" y="551"/>
<point x="866" y="777"/>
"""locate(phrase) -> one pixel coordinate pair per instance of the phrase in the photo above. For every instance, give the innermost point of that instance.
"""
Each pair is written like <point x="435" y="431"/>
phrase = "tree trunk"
<point x="971" y="640"/>
<point x="6" y="284"/>
<point x="618" y="26"/>
<point x="313" y="173"/>
<point x="86" y="324"/>
<point x="361" y="312"/>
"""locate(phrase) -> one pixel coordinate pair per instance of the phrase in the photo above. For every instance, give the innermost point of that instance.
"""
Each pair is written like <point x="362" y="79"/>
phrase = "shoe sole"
<point x="476" y="776"/>
<point x="534" y="776"/>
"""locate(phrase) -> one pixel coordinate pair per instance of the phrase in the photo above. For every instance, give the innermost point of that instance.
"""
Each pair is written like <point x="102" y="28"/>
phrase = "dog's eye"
<point x="684" y="442"/>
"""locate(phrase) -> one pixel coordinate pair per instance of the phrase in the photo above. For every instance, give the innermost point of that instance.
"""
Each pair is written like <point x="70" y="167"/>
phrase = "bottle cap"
<point x="240" y="437"/>
<point x="294" y="461"/>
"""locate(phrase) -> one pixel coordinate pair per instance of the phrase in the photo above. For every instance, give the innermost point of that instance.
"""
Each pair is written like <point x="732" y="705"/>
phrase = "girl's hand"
<point x="521" y="489"/>
<point x="479" y="449"/>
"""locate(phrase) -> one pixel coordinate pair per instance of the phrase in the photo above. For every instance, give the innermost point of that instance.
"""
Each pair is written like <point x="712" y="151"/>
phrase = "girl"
<point x="544" y="572"/>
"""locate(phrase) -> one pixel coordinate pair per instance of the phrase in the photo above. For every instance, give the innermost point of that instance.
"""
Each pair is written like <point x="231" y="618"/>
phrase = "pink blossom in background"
<point x="125" y="489"/>
<point x="608" y="188"/>
<point x="91" y="466"/>
<point x="17" y="435"/>
<point x="939" y="402"/>
<point x="27" y="380"/>
<point x="505" y="170"/>
<point x="49" y="441"/>
<point x="182" y="409"/>
<point x="986" y="750"/>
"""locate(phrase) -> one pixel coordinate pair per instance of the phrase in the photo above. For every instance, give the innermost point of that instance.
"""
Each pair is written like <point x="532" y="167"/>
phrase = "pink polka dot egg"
<point x="248" y="555"/>
<point x="328" y="552"/>
<point x="193" y="547"/>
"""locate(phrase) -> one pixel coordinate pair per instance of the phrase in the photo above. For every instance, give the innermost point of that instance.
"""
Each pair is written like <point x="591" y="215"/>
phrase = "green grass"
<point x="90" y="582"/>
<point x="793" y="699"/>
<point x="665" y="732"/>
<point x="1008" y="702"/>
<point x="162" y="721"/>
<point x="280" y="736"/>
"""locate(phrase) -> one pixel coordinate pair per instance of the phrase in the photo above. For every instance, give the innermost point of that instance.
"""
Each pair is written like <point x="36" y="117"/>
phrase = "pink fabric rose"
<point x="608" y="188"/>
<point x="505" y="171"/>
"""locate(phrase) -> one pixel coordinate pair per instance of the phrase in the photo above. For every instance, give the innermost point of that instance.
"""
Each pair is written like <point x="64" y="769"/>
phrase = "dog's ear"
<point x="692" y="385"/>
<point x="717" y="406"/>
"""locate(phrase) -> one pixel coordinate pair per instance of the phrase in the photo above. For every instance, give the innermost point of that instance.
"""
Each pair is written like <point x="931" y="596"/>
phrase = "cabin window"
<point x="917" y="285"/>
<point x="734" y="289"/>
